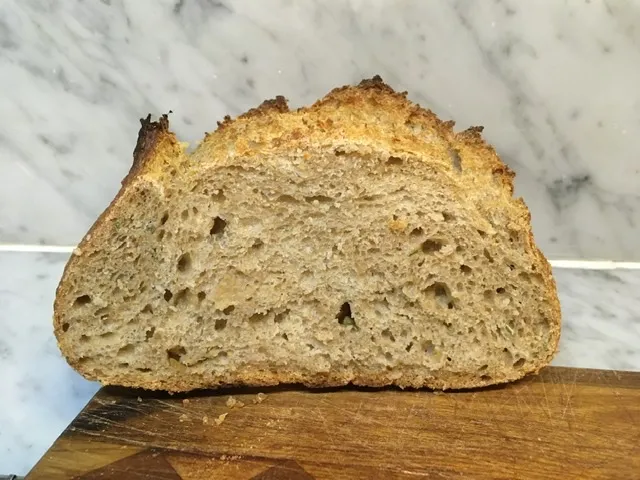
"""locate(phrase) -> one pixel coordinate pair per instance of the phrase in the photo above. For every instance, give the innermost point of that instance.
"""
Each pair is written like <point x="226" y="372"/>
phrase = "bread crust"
<point x="272" y="126"/>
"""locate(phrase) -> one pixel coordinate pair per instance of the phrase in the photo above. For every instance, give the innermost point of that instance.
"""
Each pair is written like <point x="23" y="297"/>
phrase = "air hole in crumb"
<point x="160" y="235"/>
<point x="416" y="232"/>
<point x="318" y="199"/>
<point x="449" y="359"/>
<point x="220" y="324"/>
<point x="287" y="199"/>
<point x="201" y="296"/>
<point x="482" y="233"/>
<point x="149" y="333"/>
<point x="442" y="294"/>
<point x="280" y="317"/>
<point x="394" y="161"/>
<point x="147" y="309"/>
<point x="194" y="210"/>
<point x="184" y="214"/>
<point x="285" y="336"/>
<point x="428" y="347"/>
<point x="218" y="196"/>
<point x="431" y="246"/>
<point x="485" y="378"/>
<point x="123" y="364"/>
<point x="218" y="226"/>
<point x="126" y="349"/>
<point x="182" y="296"/>
<point x="488" y="255"/>
<point x="82" y="300"/>
<point x="164" y="218"/>
<point x="512" y="266"/>
<point x="483" y="368"/>
<point x="386" y="333"/>
<point x="176" y="353"/>
<point x="344" y="315"/>
<point x="448" y="217"/>
<point x="519" y="363"/>
<point x="465" y="269"/>
<point x="500" y="290"/>
<point x="339" y="153"/>
<point x="184" y="262"/>
<point x="258" y="317"/>
<point x="143" y="370"/>
<point x="388" y="356"/>
<point x="456" y="161"/>
<point x="65" y="327"/>
<point x="310" y="347"/>
<point x="228" y="309"/>
<point x="257" y="244"/>
<point x="168" y="295"/>
<point x="409" y="347"/>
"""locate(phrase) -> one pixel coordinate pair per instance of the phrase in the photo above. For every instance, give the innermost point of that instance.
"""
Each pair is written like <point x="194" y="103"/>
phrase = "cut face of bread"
<point x="360" y="240"/>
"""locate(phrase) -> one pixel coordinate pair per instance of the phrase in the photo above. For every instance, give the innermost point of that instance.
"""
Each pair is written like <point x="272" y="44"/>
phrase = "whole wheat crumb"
<point x="183" y="417"/>
<point x="205" y="420"/>
<point x="221" y="418"/>
<point x="260" y="397"/>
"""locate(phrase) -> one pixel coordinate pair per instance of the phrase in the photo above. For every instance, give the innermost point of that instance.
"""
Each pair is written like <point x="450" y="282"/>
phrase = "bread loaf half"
<point x="360" y="240"/>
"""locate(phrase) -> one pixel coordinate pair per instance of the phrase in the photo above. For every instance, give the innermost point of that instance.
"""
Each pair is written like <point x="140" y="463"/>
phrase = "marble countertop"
<point x="41" y="393"/>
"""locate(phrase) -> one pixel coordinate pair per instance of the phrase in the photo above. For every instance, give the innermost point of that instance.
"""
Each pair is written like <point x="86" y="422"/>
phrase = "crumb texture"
<point x="359" y="240"/>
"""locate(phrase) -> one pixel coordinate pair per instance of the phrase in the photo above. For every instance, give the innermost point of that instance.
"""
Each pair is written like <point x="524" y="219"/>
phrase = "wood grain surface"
<point x="564" y="423"/>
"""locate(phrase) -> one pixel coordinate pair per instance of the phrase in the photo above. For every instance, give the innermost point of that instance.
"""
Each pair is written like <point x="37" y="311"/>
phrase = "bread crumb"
<point x="221" y="418"/>
<point x="233" y="403"/>
<point x="183" y="417"/>
<point x="185" y="401"/>
<point x="139" y="399"/>
<point x="260" y="397"/>
<point x="397" y="225"/>
<point x="77" y="251"/>
<point x="205" y="420"/>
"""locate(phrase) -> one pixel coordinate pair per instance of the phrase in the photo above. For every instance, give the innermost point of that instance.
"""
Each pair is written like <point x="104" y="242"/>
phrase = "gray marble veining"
<point x="41" y="394"/>
<point x="554" y="83"/>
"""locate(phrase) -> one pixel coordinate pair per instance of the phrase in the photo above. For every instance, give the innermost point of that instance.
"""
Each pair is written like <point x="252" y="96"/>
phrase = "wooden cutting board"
<point x="564" y="423"/>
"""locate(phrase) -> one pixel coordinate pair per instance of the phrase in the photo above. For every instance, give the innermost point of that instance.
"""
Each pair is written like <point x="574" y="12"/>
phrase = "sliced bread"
<point x="360" y="240"/>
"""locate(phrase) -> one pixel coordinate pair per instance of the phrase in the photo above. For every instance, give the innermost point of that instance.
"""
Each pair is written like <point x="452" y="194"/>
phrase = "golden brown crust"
<point x="272" y="126"/>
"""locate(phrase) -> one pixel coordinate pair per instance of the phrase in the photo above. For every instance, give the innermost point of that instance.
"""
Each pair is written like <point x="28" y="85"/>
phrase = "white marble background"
<point x="555" y="84"/>
<point x="40" y="394"/>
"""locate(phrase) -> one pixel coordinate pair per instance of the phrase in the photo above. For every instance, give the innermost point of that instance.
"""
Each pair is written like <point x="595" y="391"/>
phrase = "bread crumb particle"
<point x="221" y="418"/>
<point x="139" y="399"/>
<point x="77" y="251"/>
<point x="183" y="417"/>
<point x="185" y="401"/>
<point x="260" y="397"/>
<point x="233" y="403"/>
<point x="205" y="420"/>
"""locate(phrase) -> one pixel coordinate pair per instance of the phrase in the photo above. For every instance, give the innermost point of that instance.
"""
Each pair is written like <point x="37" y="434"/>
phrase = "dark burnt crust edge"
<point x="148" y="137"/>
